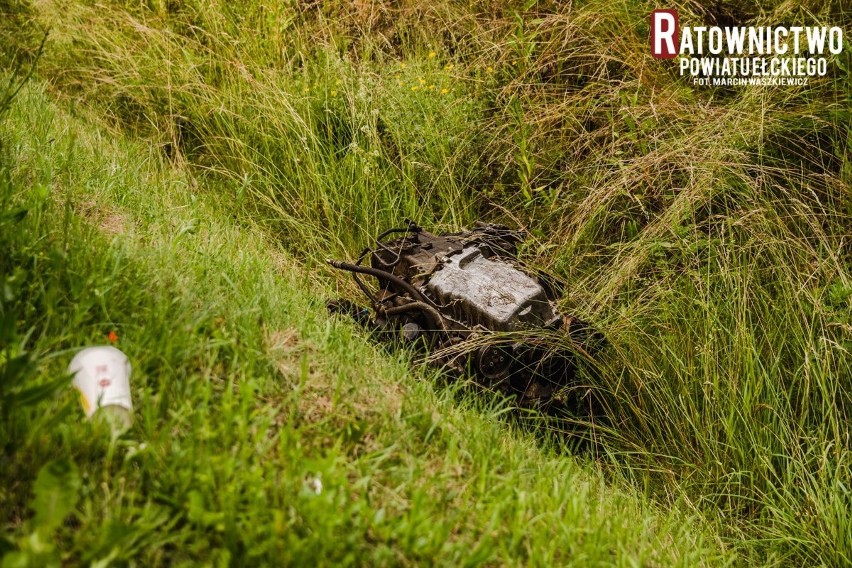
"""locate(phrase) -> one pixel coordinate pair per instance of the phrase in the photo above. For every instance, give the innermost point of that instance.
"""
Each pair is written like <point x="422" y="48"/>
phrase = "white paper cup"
<point x="102" y="375"/>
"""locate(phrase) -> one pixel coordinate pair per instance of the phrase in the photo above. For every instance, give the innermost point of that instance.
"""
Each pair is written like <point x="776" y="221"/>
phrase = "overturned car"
<point x="469" y="302"/>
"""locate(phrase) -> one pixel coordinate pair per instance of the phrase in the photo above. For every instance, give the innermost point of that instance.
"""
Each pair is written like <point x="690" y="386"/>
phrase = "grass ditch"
<point x="246" y="394"/>
<point x="704" y="231"/>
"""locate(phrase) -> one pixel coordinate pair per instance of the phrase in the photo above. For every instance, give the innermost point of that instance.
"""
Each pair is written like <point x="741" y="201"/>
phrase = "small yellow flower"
<point x="448" y="67"/>
<point x="422" y="80"/>
<point x="402" y="64"/>
<point x="430" y="87"/>
<point x="414" y="88"/>
<point x="489" y="69"/>
<point x="444" y="91"/>
<point x="432" y="54"/>
<point x="334" y="93"/>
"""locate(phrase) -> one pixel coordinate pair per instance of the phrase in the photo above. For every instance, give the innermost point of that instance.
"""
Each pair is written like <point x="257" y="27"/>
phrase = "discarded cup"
<point x="102" y="375"/>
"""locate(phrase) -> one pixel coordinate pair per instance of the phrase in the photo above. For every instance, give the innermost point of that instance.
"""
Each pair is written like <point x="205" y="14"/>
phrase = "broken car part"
<point x="469" y="301"/>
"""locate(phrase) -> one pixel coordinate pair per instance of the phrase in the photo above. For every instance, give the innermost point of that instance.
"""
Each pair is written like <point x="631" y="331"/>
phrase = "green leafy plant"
<point x="56" y="492"/>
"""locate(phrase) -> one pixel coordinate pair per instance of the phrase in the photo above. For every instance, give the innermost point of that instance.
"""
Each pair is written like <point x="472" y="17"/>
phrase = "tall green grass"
<point x="265" y="433"/>
<point x="704" y="231"/>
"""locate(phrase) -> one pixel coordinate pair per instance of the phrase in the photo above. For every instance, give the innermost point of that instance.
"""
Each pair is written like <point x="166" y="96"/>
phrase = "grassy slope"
<point x="705" y="231"/>
<point x="245" y="389"/>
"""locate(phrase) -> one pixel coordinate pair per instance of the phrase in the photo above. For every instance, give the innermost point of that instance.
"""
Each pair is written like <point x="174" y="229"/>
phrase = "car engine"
<point x="468" y="301"/>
